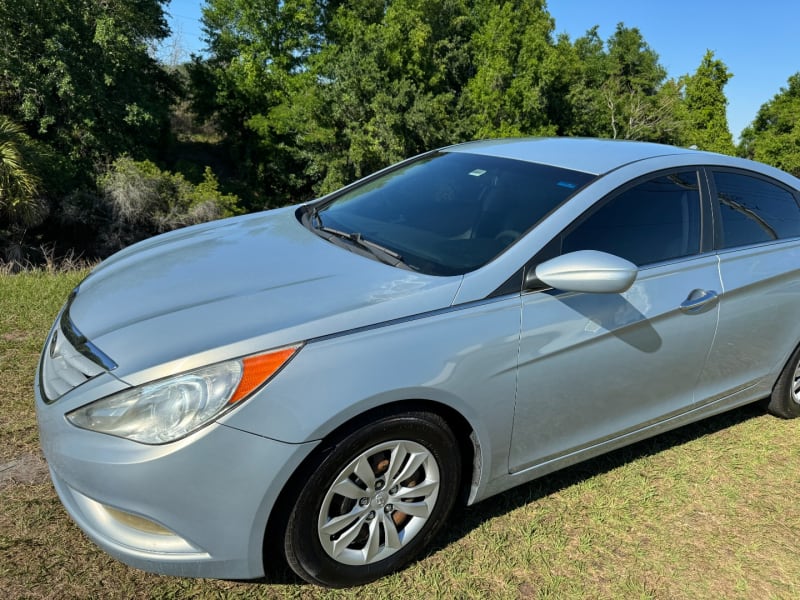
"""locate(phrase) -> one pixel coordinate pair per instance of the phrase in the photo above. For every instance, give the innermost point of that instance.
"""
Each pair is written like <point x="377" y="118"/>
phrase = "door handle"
<point x="699" y="301"/>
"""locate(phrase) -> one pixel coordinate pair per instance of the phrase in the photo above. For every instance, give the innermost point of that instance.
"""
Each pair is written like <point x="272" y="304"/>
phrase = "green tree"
<point x="255" y="50"/>
<point x="620" y="89"/>
<point x="774" y="136"/>
<point x="585" y="112"/>
<point x="705" y="123"/>
<point x="515" y="67"/>
<point x="78" y="75"/>
<point x="316" y="93"/>
<point x="383" y="86"/>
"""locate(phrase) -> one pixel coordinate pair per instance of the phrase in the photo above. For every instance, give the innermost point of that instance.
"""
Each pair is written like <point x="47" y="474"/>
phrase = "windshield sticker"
<point x="567" y="184"/>
<point x="477" y="172"/>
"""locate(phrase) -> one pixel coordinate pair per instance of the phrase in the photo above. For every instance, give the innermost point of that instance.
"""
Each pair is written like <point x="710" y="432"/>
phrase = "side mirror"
<point x="586" y="271"/>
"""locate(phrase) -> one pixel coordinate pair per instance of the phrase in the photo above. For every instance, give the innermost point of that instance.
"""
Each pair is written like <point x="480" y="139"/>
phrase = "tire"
<point x="374" y="501"/>
<point x="785" y="399"/>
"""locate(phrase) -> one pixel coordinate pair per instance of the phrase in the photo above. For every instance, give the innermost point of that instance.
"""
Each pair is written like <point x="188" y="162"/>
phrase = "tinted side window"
<point x="754" y="210"/>
<point x="653" y="221"/>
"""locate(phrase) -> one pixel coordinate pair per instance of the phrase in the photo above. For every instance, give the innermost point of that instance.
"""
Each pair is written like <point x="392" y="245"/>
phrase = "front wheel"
<point x="785" y="399"/>
<point x="374" y="501"/>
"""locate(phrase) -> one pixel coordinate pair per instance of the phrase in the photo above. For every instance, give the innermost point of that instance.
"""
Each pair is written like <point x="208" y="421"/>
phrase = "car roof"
<point x="595" y="156"/>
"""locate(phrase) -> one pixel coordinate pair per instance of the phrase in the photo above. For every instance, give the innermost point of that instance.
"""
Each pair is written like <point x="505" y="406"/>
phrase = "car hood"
<point x="235" y="287"/>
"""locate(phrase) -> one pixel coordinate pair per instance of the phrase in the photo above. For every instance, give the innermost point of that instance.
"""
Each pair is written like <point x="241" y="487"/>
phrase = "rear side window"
<point x="653" y="221"/>
<point x="754" y="210"/>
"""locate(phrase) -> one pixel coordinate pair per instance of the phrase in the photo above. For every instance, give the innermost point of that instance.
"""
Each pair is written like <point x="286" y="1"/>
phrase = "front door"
<point x="596" y="366"/>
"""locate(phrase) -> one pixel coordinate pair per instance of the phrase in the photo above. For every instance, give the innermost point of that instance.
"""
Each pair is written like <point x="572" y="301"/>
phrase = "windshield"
<point x="446" y="213"/>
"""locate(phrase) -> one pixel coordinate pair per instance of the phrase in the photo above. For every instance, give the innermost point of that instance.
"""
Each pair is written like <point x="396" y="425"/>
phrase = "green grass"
<point x="708" y="511"/>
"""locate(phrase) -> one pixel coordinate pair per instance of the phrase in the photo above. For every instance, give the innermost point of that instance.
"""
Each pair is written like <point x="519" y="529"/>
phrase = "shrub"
<point x="20" y="199"/>
<point x="136" y="199"/>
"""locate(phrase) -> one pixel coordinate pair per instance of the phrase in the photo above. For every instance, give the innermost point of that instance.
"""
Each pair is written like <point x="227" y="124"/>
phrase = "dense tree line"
<point x="100" y="144"/>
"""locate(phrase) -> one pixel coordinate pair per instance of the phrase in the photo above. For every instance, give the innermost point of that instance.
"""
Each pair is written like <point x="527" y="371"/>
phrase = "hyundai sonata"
<point x="327" y="380"/>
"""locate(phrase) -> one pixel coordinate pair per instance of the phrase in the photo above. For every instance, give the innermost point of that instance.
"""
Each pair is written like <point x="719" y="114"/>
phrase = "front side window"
<point x="653" y="221"/>
<point x="754" y="211"/>
<point x="446" y="213"/>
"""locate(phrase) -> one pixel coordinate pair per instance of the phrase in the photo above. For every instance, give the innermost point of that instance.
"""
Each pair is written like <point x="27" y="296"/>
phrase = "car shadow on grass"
<point x="469" y="518"/>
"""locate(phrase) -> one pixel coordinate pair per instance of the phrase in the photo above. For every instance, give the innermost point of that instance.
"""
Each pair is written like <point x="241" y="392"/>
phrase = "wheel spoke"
<point x="415" y="509"/>
<point x="348" y="489"/>
<point x="393" y="540"/>
<point x="364" y="472"/>
<point x="396" y="461"/>
<point x="426" y="488"/>
<point x="341" y="544"/>
<point x="342" y="522"/>
<point x="414" y="461"/>
<point x="373" y="546"/>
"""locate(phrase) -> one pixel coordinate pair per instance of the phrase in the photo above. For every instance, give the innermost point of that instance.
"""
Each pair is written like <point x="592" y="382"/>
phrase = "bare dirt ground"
<point x="27" y="469"/>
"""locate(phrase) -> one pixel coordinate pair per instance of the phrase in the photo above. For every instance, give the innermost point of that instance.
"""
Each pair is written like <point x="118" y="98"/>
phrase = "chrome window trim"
<point x="715" y="209"/>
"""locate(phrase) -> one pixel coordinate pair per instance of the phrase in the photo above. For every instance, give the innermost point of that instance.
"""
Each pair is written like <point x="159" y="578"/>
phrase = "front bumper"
<point x="208" y="496"/>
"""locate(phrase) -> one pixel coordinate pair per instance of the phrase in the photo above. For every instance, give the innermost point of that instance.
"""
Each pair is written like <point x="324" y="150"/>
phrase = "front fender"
<point x="464" y="358"/>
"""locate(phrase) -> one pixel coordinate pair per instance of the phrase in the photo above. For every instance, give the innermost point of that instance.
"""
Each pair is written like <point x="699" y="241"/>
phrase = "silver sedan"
<point x="325" y="381"/>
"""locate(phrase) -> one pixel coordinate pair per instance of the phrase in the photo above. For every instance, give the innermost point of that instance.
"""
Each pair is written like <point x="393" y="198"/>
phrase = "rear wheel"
<point x="785" y="399"/>
<point x="374" y="501"/>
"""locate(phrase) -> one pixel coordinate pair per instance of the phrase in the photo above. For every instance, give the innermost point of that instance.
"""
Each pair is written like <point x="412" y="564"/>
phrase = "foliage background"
<point x="101" y="144"/>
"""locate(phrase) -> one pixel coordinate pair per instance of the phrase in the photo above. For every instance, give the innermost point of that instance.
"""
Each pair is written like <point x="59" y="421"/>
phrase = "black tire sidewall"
<point x="781" y="403"/>
<point x="303" y="549"/>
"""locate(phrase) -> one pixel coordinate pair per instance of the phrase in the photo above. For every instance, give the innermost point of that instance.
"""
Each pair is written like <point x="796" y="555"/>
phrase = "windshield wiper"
<point x="313" y="220"/>
<point x="311" y="217"/>
<point x="382" y="253"/>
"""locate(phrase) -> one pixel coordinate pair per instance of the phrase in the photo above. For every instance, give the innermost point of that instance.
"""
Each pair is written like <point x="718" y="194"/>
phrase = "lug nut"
<point x="363" y="501"/>
<point x="393" y="491"/>
<point x="371" y="515"/>
<point x="388" y="508"/>
<point x="379" y="484"/>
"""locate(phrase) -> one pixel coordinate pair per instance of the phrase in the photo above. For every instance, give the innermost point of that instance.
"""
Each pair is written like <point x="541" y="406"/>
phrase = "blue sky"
<point x="759" y="42"/>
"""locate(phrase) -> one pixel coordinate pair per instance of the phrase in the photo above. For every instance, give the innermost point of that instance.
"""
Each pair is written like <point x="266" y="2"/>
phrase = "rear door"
<point x="758" y="236"/>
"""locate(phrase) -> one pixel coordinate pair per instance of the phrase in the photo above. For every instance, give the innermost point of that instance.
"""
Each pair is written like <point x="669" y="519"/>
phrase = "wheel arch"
<point x="782" y="401"/>
<point x="468" y="443"/>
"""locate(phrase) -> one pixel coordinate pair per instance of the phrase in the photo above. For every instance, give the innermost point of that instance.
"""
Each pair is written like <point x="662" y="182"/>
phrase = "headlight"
<point x="169" y="409"/>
